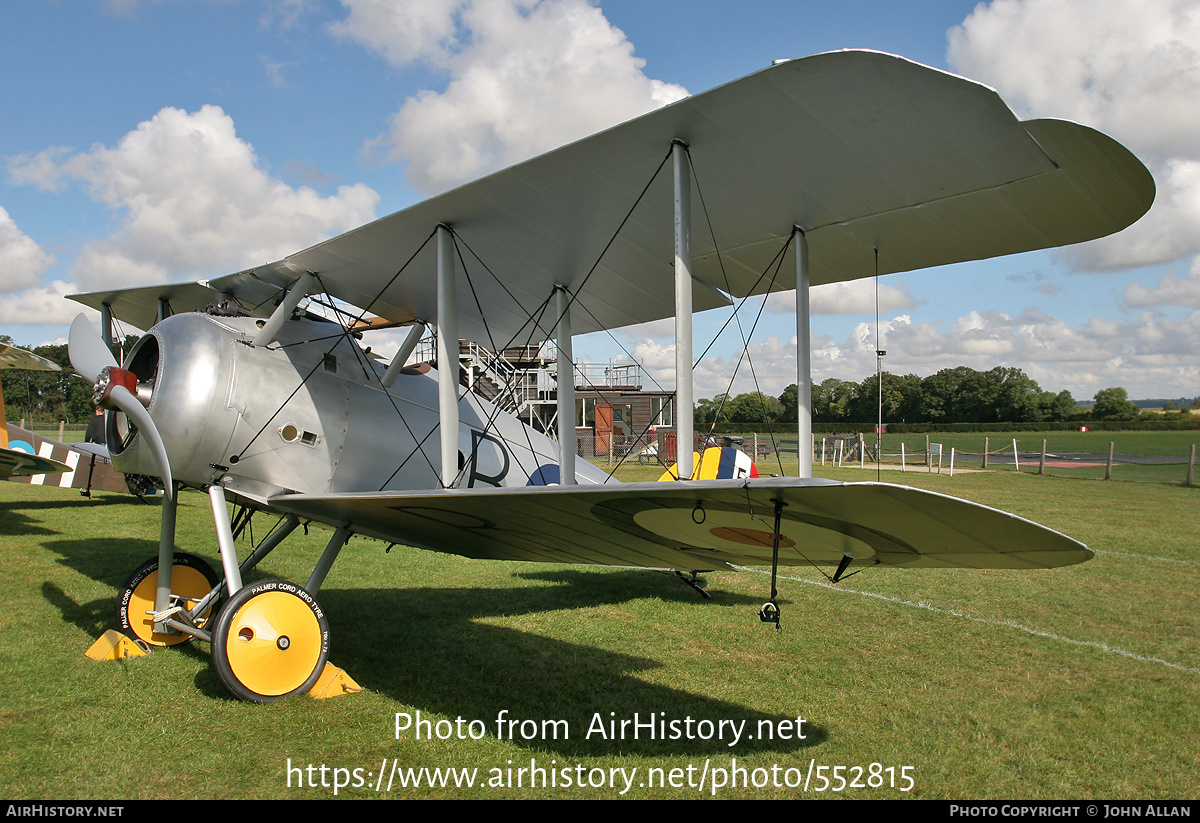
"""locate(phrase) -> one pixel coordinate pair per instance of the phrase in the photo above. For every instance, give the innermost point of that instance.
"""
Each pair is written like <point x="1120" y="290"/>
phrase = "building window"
<point x="660" y="411"/>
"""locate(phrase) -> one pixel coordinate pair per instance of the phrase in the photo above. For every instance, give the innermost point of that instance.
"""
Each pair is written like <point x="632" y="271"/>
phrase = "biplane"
<point x="17" y="458"/>
<point x="817" y="170"/>
<point x="28" y="457"/>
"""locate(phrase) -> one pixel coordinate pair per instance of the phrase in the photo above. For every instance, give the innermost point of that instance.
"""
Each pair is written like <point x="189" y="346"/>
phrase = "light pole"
<point x="879" y="353"/>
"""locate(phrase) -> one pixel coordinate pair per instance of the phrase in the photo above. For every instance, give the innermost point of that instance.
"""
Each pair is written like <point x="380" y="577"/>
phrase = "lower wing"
<point x="16" y="463"/>
<point x="701" y="525"/>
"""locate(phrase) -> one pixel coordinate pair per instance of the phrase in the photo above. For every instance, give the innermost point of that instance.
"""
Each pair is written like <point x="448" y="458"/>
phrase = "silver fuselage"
<point x="308" y="414"/>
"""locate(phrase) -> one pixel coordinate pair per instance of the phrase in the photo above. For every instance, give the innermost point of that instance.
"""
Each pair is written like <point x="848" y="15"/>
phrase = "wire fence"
<point x="1148" y="457"/>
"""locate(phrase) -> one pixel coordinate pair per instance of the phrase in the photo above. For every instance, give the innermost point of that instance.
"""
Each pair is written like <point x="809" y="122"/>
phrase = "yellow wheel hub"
<point x="191" y="580"/>
<point x="273" y="643"/>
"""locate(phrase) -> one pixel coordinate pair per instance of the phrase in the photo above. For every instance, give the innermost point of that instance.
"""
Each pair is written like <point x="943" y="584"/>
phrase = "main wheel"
<point x="191" y="579"/>
<point x="270" y="641"/>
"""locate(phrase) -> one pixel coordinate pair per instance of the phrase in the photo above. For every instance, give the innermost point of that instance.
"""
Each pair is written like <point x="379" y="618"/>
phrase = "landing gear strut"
<point x="191" y="580"/>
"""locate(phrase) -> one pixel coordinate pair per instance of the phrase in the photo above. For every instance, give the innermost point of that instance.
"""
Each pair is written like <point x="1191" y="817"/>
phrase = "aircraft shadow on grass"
<point x="15" y="519"/>
<point x="432" y="650"/>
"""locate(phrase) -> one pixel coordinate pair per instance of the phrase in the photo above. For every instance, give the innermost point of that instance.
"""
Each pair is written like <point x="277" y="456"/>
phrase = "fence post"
<point x="1042" y="464"/>
<point x="1108" y="466"/>
<point x="1191" y="465"/>
<point x="928" y="459"/>
<point x="985" y="452"/>
<point x="1016" y="459"/>
<point x="61" y="424"/>
<point x="902" y="455"/>
<point x="951" y="461"/>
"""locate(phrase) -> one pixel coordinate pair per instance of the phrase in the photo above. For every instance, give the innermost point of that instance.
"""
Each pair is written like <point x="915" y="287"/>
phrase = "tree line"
<point x="48" y="396"/>
<point x="957" y="395"/>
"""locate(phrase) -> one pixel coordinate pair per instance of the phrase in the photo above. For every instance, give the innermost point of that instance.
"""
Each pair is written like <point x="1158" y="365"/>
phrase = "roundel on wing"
<point x="743" y="532"/>
<point x="737" y="532"/>
<point x="546" y="475"/>
<point x="21" y="446"/>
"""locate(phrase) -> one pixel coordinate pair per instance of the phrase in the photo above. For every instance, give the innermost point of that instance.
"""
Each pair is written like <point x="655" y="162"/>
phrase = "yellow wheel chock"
<point x="333" y="682"/>
<point x="113" y="645"/>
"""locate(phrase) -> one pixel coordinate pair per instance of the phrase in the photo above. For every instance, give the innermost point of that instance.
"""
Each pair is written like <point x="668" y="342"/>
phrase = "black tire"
<point x="189" y="574"/>
<point x="270" y="641"/>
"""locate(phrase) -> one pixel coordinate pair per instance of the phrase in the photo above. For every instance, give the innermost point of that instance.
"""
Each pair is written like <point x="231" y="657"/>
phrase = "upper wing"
<point x="12" y="357"/>
<point x="701" y="525"/>
<point x="862" y="150"/>
<point x="14" y="462"/>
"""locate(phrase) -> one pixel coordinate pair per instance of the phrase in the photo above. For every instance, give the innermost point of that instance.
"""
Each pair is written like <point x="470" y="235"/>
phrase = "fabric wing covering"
<point x="861" y="150"/>
<point x="702" y="526"/>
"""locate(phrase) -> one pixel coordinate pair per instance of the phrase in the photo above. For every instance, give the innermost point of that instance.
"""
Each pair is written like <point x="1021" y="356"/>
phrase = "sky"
<point x="150" y="141"/>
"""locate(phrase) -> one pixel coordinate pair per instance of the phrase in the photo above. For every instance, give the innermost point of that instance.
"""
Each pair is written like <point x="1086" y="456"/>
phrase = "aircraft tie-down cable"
<point x="777" y="262"/>
<point x="490" y="422"/>
<point x="545" y="304"/>
<point x="399" y="272"/>
<point x="371" y="372"/>
<point x="617" y="233"/>
<point x="492" y="342"/>
<point x="345" y="333"/>
<point x="745" y="355"/>
<point x="359" y="357"/>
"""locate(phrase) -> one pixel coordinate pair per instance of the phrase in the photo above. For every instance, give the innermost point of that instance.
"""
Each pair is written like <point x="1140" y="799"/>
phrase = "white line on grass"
<point x="1147" y="557"/>
<point x="1008" y="624"/>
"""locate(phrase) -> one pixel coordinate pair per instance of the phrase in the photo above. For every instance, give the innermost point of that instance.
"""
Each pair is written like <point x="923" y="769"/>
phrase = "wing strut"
<point x="266" y="335"/>
<point x="803" y="358"/>
<point x="447" y="355"/>
<point x="566" y="389"/>
<point x="684" y="429"/>
<point x="406" y="348"/>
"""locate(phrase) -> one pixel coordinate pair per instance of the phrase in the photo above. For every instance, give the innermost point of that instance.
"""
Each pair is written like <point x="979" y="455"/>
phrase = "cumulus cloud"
<point x="1172" y="290"/>
<point x="24" y="261"/>
<point x="40" y="306"/>
<point x="851" y="297"/>
<point x="1132" y="73"/>
<point x="194" y="200"/>
<point x="525" y="76"/>
<point x="1151" y="355"/>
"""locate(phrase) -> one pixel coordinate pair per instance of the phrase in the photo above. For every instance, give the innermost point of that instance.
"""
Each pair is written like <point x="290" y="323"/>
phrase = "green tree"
<point x="831" y="400"/>
<point x="1114" y="404"/>
<point x="754" y="409"/>
<point x="1018" y="397"/>
<point x="709" y="412"/>
<point x="789" y="403"/>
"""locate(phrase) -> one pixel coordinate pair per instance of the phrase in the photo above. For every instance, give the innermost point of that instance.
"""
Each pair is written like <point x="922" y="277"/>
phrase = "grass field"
<point x="1081" y="682"/>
